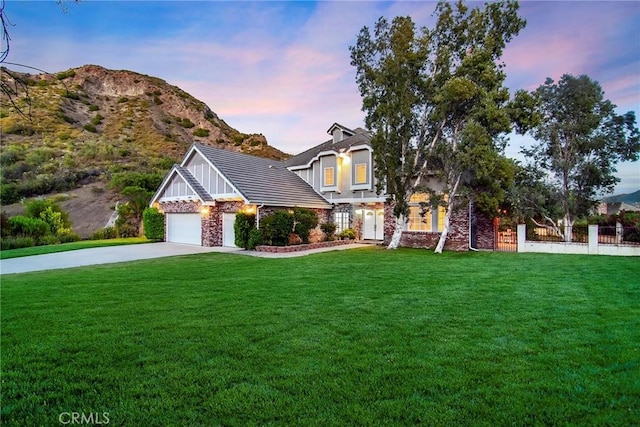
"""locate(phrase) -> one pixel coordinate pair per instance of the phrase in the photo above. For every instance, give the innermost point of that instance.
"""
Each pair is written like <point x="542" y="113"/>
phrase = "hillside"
<point x="61" y="132"/>
<point x="631" y="198"/>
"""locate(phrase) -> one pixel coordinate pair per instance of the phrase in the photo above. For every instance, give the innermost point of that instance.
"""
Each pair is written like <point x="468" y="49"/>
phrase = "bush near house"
<point x="348" y="233"/>
<point x="244" y="224"/>
<point x="153" y="221"/>
<point x="276" y="228"/>
<point x="329" y="230"/>
<point x="255" y="238"/>
<point x="305" y="220"/>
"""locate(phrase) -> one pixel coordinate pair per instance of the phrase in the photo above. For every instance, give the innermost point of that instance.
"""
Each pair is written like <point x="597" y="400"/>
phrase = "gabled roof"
<point x="191" y="181"/>
<point x="360" y="137"/>
<point x="262" y="181"/>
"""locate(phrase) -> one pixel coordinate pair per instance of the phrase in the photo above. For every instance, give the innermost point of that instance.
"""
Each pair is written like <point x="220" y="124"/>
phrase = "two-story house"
<point x="201" y="196"/>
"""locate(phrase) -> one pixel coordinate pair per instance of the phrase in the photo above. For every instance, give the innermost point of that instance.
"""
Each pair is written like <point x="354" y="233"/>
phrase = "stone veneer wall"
<point x="212" y="222"/>
<point x="457" y="240"/>
<point x="485" y="234"/>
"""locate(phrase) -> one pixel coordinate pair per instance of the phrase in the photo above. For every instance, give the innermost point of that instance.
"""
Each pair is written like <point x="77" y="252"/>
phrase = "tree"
<point x="435" y="102"/>
<point x="580" y="139"/>
<point x="131" y="212"/>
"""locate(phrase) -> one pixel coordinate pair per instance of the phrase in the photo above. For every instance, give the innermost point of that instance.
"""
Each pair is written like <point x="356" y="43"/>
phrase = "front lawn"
<point x="72" y="246"/>
<point x="358" y="337"/>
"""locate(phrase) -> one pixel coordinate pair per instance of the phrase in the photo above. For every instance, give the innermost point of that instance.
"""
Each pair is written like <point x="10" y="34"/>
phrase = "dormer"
<point x="339" y="132"/>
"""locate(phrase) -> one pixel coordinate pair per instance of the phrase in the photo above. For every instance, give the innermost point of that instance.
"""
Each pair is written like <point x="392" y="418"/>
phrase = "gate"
<point x="505" y="237"/>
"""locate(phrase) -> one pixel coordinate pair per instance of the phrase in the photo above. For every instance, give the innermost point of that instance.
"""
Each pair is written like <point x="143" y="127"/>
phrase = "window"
<point x="329" y="177"/>
<point x="361" y="173"/>
<point x="432" y="217"/>
<point x="418" y="222"/>
<point x="342" y="221"/>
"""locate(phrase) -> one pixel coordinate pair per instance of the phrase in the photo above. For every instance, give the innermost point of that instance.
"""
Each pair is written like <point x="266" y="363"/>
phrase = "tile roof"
<point x="361" y="137"/>
<point x="263" y="181"/>
<point x="194" y="184"/>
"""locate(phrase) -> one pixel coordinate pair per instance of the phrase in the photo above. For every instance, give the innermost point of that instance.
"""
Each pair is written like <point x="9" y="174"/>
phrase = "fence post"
<point x="522" y="237"/>
<point x="619" y="232"/>
<point x="593" y="239"/>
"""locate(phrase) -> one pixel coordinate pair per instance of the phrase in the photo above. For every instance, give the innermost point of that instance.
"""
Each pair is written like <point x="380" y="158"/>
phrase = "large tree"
<point x="435" y="102"/>
<point x="579" y="140"/>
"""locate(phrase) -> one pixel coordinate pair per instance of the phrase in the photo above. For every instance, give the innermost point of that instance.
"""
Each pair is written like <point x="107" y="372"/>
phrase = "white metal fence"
<point x="589" y="240"/>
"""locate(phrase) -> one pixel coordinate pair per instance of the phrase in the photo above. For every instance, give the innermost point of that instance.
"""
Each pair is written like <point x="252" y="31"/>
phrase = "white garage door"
<point x="228" y="233"/>
<point x="184" y="228"/>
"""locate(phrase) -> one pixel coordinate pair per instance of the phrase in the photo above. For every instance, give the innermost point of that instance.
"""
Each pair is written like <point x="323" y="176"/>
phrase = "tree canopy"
<point x="435" y="102"/>
<point x="579" y="140"/>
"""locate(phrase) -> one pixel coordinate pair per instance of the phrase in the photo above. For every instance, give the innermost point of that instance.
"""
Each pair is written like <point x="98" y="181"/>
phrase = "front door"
<point x="373" y="224"/>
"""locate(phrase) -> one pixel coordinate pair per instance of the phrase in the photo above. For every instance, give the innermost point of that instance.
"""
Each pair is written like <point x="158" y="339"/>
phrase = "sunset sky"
<point x="283" y="68"/>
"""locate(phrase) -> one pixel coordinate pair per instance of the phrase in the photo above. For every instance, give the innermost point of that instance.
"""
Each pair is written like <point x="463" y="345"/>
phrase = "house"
<point x="201" y="196"/>
<point x="613" y="208"/>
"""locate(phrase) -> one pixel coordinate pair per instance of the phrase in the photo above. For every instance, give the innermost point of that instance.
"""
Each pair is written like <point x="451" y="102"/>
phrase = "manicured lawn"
<point x="359" y="337"/>
<point x="82" y="244"/>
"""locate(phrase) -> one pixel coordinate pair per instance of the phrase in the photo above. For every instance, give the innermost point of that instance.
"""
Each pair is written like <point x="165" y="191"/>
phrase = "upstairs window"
<point x="329" y="177"/>
<point x="361" y="173"/>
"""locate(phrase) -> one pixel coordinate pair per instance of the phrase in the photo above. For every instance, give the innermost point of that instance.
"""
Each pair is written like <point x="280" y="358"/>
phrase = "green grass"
<point x="359" y="337"/>
<point x="82" y="244"/>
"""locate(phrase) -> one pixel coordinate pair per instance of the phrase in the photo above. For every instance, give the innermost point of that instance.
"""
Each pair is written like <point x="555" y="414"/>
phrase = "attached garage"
<point x="228" y="232"/>
<point x="184" y="228"/>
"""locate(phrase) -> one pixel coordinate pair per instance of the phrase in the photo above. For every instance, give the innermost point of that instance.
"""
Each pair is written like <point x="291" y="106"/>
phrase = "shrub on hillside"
<point x="186" y="123"/>
<point x="24" y="226"/>
<point x="105" y="234"/>
<point x="153" y="221"/>
<point x="200" y="132"/>
<point x="9" y="194"/>
<point x="148" y="181"/>
<point x="16" y="242"/>
<point x="35" y="208"/>
<point x="67" y="236"/>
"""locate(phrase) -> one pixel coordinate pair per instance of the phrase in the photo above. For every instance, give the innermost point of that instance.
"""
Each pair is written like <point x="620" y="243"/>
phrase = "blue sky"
<point x="283" y="69"/>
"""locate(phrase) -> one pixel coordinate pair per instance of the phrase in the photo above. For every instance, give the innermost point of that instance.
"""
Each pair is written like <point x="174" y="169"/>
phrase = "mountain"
<point x="631" y="198"/>
<point x="62" y="132"/>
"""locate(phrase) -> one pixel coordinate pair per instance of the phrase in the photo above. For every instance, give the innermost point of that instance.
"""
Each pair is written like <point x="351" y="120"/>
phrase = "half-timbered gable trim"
<point x="213" y="181"/>
<point x="181" y="185"/>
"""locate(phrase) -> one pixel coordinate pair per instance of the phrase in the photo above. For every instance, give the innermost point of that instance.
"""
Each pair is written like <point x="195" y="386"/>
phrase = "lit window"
<point x="329" y="177"/>
<point x="419" y="198"/>
<point x="361" y="173"/>
<point x="441" y="215"/>
<point x="425" y="222"/>
<point x="418" y="222"/>
<point x="342" y="221"/>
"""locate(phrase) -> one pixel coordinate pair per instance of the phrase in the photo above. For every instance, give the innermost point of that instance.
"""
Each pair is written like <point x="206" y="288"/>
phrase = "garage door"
<point x="228" y="233"/>
<point x="184" y="228"/>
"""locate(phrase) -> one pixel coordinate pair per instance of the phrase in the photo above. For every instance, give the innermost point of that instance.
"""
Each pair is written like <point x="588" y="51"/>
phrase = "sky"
<point x="282" y="69"/>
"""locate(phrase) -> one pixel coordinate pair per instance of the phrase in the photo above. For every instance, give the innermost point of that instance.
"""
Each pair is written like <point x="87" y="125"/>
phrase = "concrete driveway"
<point x="106" y="255"/>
